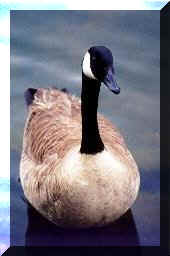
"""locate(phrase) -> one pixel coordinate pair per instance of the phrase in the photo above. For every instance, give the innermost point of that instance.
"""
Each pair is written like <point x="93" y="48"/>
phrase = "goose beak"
<point x="110" y="81"/>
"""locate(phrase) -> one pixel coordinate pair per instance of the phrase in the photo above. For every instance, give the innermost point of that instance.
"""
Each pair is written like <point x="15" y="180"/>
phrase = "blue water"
<point x="46" y="50"/>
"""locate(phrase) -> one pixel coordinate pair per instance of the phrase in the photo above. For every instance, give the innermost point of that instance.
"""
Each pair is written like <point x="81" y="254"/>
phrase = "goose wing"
<point x="52" y="126"/>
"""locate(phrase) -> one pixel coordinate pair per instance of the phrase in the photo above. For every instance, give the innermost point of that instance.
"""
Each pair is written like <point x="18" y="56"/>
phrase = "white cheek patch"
<point x="86" y="66"/>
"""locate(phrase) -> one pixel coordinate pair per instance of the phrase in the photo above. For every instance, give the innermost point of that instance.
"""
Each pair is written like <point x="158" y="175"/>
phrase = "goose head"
<point x="98" y="65"/>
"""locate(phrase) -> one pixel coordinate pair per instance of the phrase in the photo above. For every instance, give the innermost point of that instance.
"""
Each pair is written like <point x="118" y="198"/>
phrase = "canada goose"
<point x="74" y="175"/>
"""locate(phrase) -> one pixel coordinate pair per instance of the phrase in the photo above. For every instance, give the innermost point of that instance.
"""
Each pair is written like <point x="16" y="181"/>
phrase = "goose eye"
<point x="82" y="62"/>
<point x="105" y="69"/>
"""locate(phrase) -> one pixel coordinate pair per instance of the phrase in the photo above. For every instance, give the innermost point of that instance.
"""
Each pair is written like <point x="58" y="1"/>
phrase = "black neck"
<point x="91" y="141"/>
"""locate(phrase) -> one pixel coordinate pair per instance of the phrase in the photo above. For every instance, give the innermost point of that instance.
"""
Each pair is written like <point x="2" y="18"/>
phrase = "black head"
<point x="98" y="64"/>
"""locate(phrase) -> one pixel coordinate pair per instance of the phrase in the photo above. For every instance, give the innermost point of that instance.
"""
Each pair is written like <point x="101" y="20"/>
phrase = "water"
<point x="46" y="50"/>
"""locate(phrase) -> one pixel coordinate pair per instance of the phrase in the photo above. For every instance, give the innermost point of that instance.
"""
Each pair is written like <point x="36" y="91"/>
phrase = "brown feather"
<point x="54" y="125"/>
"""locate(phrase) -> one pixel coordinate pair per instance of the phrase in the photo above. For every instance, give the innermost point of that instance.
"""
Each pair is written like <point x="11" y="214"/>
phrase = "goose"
<point x="75" y="167"/>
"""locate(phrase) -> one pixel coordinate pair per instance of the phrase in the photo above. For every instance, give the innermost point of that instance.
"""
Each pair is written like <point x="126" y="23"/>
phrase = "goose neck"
<point x="91" y="141"/>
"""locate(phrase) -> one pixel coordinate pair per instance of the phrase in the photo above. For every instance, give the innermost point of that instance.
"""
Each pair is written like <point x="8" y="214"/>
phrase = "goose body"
<point x="75" y="169"/>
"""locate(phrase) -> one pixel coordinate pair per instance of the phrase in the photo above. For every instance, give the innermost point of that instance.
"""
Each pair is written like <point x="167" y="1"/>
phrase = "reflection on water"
<point x="40" y="232"/>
